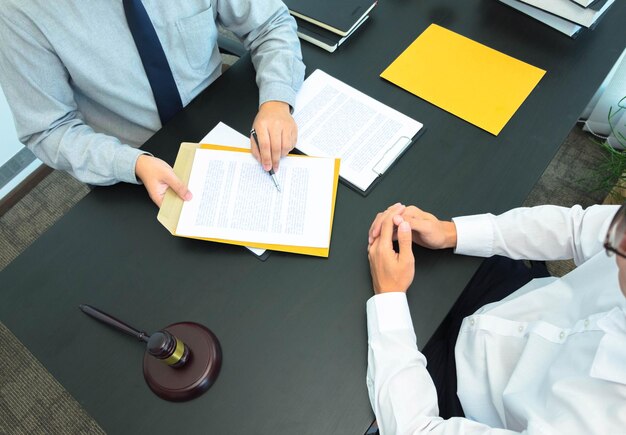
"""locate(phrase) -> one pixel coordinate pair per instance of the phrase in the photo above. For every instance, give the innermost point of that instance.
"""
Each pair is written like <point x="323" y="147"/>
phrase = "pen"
<point x="271" y="171"/>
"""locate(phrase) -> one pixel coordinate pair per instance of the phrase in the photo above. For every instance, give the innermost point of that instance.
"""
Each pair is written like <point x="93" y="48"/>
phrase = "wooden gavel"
<point x="181" y="361"/>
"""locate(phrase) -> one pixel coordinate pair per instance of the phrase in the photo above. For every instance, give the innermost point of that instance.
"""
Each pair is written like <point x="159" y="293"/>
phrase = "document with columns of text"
<point x="336" y="120"/>
<point x="222" y="134"/>
<point x="235" y="201"/>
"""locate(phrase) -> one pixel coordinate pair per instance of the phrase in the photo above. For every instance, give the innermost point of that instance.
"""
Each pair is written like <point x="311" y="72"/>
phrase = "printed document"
<point x="235" y="200"/>
<point x="336" y="120"/>
<point x="222" y="134"/>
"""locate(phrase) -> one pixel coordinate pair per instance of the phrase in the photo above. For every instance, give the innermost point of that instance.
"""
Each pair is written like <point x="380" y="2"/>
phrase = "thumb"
<point x="405" y="242"/>
<point x="178" y="187"/>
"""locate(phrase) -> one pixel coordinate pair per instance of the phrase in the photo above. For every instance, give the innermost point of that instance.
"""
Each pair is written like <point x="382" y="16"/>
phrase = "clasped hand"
<point x="391" y="271"/>
<point x="426" y="229"/>
<point x="394" y="271"/>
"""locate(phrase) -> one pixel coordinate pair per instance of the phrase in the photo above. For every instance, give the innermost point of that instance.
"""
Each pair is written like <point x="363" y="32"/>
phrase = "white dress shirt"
<point x="548" y="359"/>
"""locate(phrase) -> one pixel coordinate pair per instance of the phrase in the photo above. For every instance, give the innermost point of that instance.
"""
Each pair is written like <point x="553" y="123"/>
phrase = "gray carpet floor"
<point x="33" y="402"/>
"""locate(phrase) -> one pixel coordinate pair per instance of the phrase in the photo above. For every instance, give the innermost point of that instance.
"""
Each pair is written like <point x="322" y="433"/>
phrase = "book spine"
<point x="313" y="41"/>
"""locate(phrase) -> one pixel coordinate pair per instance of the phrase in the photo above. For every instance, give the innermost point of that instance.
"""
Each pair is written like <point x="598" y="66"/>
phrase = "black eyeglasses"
<point x="615" y="241"/>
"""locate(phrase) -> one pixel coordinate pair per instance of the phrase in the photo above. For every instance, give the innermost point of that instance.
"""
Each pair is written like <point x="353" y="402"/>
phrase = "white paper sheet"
<point x="222" y="134"/>
<point x="235" y="199"/>
<point x="336" y="120"/>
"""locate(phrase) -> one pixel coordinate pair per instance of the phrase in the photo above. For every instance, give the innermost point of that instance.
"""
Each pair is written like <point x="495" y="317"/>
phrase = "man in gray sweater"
<point x="78" y="82"/>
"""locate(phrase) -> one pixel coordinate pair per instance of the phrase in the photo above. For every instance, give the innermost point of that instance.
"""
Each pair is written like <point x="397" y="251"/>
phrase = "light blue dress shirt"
<point x="78" y="91"/>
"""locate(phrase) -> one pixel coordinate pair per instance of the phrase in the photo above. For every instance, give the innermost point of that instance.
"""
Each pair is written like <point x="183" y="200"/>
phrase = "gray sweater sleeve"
<point x="37" y="87"/>
<point x="269" y="32"/>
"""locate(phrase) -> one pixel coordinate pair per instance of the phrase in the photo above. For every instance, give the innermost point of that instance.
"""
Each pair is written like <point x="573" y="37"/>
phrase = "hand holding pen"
<point x="271" y="171"/>
<point x="276" y="134"/>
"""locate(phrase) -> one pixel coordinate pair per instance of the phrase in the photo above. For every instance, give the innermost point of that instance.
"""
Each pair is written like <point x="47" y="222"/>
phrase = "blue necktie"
<point x="153" y="59"/>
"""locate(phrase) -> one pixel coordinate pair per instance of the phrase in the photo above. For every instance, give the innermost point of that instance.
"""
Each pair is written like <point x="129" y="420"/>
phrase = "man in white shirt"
<point x="548" y="358"/>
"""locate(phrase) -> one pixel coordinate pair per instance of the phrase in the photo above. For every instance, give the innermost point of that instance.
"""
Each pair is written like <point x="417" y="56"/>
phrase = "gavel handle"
<point x="113" y="322"/>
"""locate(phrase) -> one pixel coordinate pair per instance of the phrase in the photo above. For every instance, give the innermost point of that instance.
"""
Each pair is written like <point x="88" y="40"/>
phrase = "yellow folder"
<point x="468" y="79"/>
<point x="172" y="205"/>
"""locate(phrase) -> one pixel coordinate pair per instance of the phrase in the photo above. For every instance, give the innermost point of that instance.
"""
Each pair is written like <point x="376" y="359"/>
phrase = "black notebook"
<point x="340" y="17"/>
<point x="323" y="38"/>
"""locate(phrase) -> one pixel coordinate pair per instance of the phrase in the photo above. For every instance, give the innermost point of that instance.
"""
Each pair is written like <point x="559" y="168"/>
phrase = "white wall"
<point x="10" y="145"/>
<point x="612" y="90"/>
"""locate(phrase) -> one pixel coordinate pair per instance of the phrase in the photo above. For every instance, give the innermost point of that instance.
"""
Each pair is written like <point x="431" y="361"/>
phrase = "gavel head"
<point x="197" y="362"/>
<point x="169" y="349"/>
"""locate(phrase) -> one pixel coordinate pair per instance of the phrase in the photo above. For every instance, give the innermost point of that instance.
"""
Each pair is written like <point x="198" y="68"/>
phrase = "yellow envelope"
<point x="461" y="76"/>
<point x="172" y="205"/>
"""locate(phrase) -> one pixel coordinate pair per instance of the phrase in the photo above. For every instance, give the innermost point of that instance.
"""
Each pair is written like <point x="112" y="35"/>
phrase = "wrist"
<point x="449" y="231"/>
<point x="275" y="106"/>
<point x="140" y="165"/>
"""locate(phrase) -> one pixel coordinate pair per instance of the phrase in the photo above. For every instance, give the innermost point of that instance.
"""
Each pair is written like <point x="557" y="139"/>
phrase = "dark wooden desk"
<point x="292" y="328"/>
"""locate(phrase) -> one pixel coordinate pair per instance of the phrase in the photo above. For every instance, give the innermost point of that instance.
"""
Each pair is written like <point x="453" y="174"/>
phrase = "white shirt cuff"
<point x="388" y="312"/>
<point x="475" y="235"/>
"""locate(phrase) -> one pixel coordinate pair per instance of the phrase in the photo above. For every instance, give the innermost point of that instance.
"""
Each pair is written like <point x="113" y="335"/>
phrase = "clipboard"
<point x="171" y="208"/>
<point x="386" y="163"/>
<point x="337" y="120"/>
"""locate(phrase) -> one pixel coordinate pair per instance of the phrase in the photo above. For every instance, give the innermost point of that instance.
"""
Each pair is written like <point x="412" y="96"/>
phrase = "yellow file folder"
<point x="172" y="205"/>
<point x="461" y="76"/>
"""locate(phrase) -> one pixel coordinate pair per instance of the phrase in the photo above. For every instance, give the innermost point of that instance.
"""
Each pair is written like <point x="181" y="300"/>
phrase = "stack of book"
<point x="567" y="16"/>
<point x="328" y="23"/>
